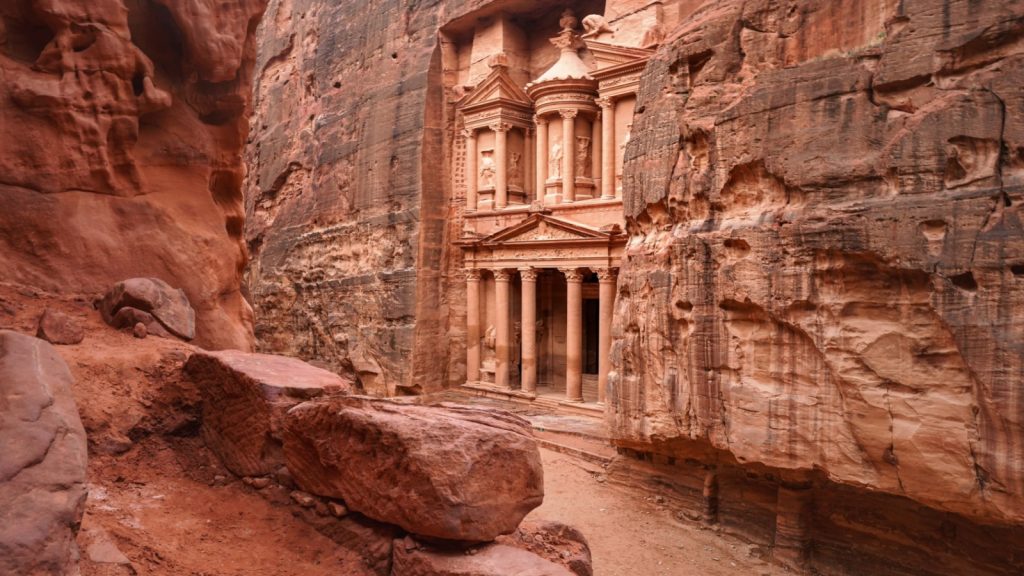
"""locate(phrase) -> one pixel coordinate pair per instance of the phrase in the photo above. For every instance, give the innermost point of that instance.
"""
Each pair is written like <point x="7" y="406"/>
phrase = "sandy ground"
<point x="629" y="534"/>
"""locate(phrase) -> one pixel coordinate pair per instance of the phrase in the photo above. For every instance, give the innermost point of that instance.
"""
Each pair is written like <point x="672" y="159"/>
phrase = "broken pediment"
<point x="610" y="55"/>
<point x="495" y="90"/>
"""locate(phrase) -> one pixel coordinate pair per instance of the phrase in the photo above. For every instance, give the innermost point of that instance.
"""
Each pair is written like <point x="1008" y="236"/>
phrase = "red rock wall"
<point x="121" y="130"/>
<point x="349" y="200"/>
<point x="826" y="260"/>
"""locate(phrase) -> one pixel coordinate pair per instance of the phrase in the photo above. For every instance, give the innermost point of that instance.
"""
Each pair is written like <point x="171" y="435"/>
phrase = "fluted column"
<point x="607" y="148"/>
<point x="568" y="155"/>
<point x="502" y="345"/>
<point x="471" y="173"/>
<point x="542" y="157"/>
<point x="472" y="325"/>
<point x="528" y="286"/>
<point x="574" y="335"/>
<point x="501" y="153"/>
<point x="606" y="278"/>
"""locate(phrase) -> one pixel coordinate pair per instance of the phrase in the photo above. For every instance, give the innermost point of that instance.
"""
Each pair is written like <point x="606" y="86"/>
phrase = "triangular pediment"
<point x="497" y="88"/>
<point x="543" y="228"/>
<point x="608" y="55"/>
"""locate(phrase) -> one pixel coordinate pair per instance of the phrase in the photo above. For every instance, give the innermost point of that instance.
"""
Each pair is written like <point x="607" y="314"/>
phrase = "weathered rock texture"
<point x="151" y="302"/>
<point x="827" y="259"/>
<point x="245" y="398"/>
<point x="413" y="559"/>
<point x="121" y="129"/>
<point x="445" y="471"/>
<point x="43" y="462"/>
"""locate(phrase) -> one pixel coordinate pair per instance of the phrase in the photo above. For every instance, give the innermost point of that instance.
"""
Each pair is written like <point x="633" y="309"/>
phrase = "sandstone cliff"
<point x="120" y="150"/>
<point x="826" y="263"/>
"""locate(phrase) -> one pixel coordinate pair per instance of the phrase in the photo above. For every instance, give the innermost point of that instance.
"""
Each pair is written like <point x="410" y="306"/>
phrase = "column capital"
<point x="605" y="102"/>
<point x="469" y="133"/>
<point x="607" y="274"/>
<point x="568" y="114"/>
<point x="572" y="274"/>
<point x="502" y="275"/>
<point x="538" y="120"/>
<point x="471" y="274"/>
<point x="528" y="274"/>
<point x="500" y="127"/>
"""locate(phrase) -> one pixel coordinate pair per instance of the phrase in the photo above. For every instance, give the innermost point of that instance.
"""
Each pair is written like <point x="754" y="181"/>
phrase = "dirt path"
<point x="631" y="536"/>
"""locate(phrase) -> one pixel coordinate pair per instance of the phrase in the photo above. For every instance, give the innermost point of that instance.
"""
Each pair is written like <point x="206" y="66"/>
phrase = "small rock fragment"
<point x="303" y="499"/>
<point x="140" y="330"/>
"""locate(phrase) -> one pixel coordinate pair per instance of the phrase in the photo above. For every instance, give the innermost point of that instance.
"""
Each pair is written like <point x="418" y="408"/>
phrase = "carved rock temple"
<point x="543" y="130"/>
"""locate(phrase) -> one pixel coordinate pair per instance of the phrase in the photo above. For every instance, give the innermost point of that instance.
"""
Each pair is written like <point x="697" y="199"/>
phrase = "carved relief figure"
<point x="555" y="161"/>
<point x="490" y="339"/>
<point x="487" y="169"/>
<point x="594" y="25"/>
<point x="568" y="21"/>
<point x="515" y="169"/>
<point x="582" y="155"/>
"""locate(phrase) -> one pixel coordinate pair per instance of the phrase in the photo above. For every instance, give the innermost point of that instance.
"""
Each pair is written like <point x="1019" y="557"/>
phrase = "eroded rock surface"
<point x="827" y="253"/>
<point x="43" y="463"/>
<point x="152" y="303"/>
<point x="59" y="328"/>
<point x="245" y="398"/>
<point x="414" y="559"/>
<point x="445" y="471"/>
<point x="121" y="127"/>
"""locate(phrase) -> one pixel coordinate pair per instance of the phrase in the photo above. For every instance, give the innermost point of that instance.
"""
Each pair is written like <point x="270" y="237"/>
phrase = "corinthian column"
<point x="574" y="335"/>
<point x="472" y="325"/>
<point x="542" y="157"/>
<point x="568" y="155"/>
<point x="501" y="151"/>
<point x="471" y="183"/>
<point x="607" y="147"/>
<point x="502" y="344"/>
<point x="529" y="330"/>
<point x="606" y="278"/>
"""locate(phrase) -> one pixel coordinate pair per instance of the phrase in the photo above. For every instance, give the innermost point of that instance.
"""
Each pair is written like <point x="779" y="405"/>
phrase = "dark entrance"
<point x="591" y="317"/>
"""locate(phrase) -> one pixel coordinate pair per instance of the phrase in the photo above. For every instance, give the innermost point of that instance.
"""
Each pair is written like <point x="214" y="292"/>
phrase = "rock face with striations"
<point x="444" y="471"/>
<point x="245" y="398"/>
<point x="826" y="264"/>
<point x="121" y="130"/>
<point x="43" y="462"/>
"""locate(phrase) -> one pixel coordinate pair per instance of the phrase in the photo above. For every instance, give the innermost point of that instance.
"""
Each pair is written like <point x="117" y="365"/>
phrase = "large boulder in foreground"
<point x="130" y="301"/>
<point x="245" y="397"/>
<point x="444" y="471"/>
<point x="42" y="460"/>
<point x="414" y="559"/>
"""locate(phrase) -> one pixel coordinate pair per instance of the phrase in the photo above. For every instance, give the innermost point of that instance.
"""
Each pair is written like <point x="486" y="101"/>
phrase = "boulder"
<point x="442" y="471"/>
<point x="169" y="307"/>
<point x="559" y="543"/>
<point x="245" y="397"/>
<point x="42" y="460"/>
<point x="414" y="559"/>
<point x="59" y="328"/>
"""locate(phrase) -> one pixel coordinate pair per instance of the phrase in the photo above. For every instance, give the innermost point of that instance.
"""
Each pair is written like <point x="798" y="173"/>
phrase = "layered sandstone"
<point x="43" y="463"/>
<point x="826" y="253"/>
<point x="245" y="398"/>
<point x="446" y="471"/>
<point x="121" y="129"/>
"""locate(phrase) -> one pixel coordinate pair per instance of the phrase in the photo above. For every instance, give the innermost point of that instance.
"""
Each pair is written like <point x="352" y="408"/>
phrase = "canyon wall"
<point x="826" y="265"/>
<point x="121" y="131"/>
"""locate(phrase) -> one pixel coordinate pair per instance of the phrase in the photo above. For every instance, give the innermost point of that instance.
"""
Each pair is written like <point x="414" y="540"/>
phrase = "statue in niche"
<point x="568" y="21"/>
<point x="555" y="161"/>
<point x="653" y="37"/>
<point x="515" y="169"/>
<point x="490" y="339"/>
<point x="595" y="25"/>
<point x="583" y="156"/>
<point x="487" y="169"/>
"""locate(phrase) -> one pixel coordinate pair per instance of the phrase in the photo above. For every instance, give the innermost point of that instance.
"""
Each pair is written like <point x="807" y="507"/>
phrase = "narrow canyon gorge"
<point x="495" y="287"/>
